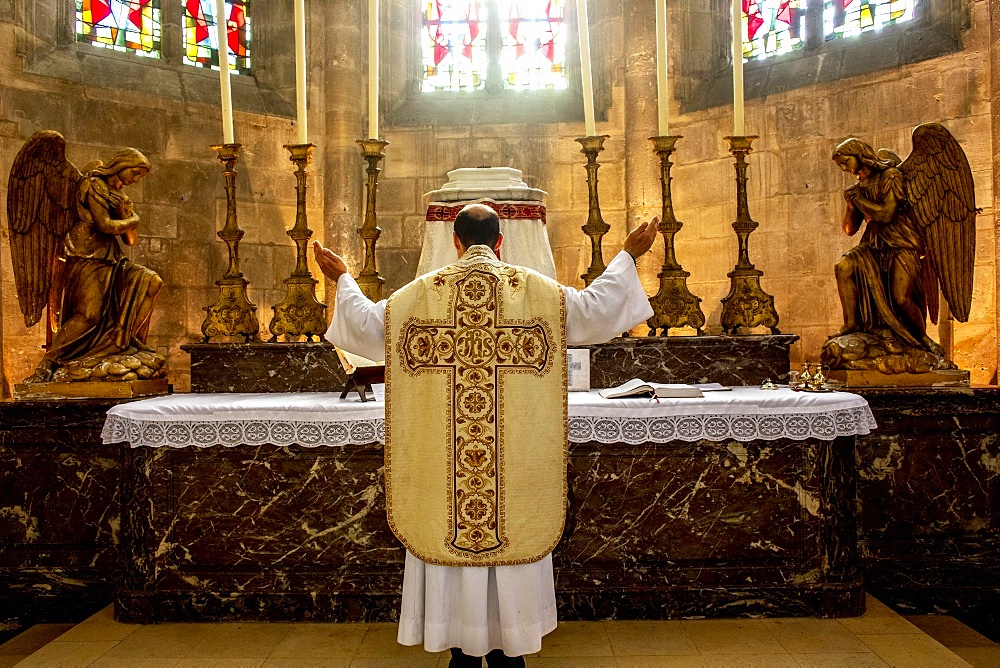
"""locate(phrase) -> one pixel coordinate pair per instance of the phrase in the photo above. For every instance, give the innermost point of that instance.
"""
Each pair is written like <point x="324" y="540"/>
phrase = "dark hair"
<point x="477" y="224"/>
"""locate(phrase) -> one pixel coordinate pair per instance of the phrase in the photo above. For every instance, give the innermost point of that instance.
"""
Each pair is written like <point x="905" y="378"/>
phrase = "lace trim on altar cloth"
<point x="583" y="429"/>
<point x="232" y="433"/>
<point x="663" y="429"/>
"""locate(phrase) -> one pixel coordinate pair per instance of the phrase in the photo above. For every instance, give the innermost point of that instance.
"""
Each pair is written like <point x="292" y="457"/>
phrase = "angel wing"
<point x="942" y="197"/>
<point x="41" y="209"/>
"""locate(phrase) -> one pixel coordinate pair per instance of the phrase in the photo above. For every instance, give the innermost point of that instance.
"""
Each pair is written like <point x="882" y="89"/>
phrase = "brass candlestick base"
<point x="233" y="314"/>
<point x="369" y="281"/>
<point x="595" y="228"/>
<point x="747" y="305"/>
<point x="673" y="305"/>
<point x="300" y="313"/>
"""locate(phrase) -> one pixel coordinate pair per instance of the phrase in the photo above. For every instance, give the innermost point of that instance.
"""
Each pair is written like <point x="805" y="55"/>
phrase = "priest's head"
<point x="477" y="225"/>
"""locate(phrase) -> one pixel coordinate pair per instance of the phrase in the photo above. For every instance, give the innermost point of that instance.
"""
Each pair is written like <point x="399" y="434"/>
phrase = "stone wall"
<point x="794" y="189"/>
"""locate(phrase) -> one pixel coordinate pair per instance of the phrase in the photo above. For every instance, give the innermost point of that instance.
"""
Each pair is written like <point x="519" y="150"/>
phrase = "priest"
<point x="476" y="430"/>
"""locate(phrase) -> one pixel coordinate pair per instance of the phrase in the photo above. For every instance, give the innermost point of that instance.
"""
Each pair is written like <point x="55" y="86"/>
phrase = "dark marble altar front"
<point x="929" y="493"/>
<point x="654" y="532"/>
<point x="59" y="512"/>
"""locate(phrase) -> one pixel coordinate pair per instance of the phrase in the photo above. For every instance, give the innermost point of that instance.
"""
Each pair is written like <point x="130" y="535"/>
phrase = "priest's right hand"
<point x="331" y="264"/>
<point x="641" y="239"/>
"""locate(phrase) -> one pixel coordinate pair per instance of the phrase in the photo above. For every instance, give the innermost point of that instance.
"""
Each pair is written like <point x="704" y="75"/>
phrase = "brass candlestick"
<point x="300" y="314"/>
<point x="747" y="304"/>
<point x="595" y="228"/>
<point x="673" y="305"/>
<point x="233" y="314"/>
<point x="368" y="280"/>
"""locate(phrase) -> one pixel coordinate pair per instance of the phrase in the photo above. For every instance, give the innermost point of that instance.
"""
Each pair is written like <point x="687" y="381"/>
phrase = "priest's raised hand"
<point x="641" y="239"/>
<point x="331" y="264"/>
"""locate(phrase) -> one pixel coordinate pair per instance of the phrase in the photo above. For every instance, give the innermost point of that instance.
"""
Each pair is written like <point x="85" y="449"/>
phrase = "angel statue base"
<point x="67" y="228"/>
<point x="919" y="216"/>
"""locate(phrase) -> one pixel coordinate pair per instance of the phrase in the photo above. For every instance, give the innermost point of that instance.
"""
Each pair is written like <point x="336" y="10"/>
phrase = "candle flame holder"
<point x="300" y="313"/>
<point x="673" y="305"/>
<point x="747" y="305"/>
<point x="233" y="314"/>
<point x="369" y="280"/>
<point x="595" y="228"/>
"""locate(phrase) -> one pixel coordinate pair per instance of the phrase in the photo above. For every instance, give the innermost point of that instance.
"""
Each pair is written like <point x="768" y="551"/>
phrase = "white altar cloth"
<point x="314" y="419"/>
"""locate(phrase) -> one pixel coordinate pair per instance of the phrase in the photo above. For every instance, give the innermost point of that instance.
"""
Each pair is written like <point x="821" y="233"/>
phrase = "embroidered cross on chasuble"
<point x="476" y="416"/>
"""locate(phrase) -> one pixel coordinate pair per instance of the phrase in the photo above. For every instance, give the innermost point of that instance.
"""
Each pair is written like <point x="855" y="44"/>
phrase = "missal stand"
<point x="362" y="380"/>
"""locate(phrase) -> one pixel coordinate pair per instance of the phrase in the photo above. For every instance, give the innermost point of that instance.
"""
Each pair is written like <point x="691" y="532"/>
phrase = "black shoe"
<point x="462" y="660"/>
<point x="497" y="659"/>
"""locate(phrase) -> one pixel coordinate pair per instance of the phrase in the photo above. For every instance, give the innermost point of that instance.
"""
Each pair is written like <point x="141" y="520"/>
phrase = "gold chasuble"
<point x="476" y="418"/>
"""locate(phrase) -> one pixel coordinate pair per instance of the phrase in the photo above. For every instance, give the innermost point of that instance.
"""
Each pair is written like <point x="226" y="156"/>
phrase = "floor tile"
<point x="751" y="661"/>
<point x="813" y="636"/>
<point x="650" y="661"/>
<point x="912" y="650"/>
<point x="242" y="640"/>
<point x="307" y="662"/>
<point x="878" y="619"/>
<point x="949" y="631"/>
<point x="580" y="639"/>
<point x="742" y="637"/>
<point x="162" y="641"/>
<point x="428" y="660"/>
<point x="219" y="662"/>
<point x="32" y="639"/>
<point x="840" y="660"/>
<point x="380" y="643"/>
<point x="653" y="638"/>
<point x="68" y="654"/>
<point x="571" y="662"/>
<point x="105" y="662"/>
<point x="100" y="626"/>
<point x="980" y="657"/>
<point x="320" y="641"/>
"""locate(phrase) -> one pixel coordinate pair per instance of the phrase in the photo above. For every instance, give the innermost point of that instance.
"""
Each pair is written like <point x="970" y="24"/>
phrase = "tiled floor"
<point x="879" y="638"/>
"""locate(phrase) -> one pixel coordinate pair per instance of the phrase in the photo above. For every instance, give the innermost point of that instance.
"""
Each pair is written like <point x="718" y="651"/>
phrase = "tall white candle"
<point x="221" y="25"/>
<point x="302" y="132"/>
<point x="585" y="72"/>
<point x="738" y="68"/>
<point x="373" y="69"/>
<point x="662" y="100"/>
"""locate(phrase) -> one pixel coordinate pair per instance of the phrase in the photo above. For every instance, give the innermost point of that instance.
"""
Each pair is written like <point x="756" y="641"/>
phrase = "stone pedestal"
<point x="869" y="378"/>
<point x="730" y="360"/>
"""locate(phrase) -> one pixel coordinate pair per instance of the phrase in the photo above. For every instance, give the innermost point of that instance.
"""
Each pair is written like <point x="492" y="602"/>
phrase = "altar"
<point x="271" y="506"/>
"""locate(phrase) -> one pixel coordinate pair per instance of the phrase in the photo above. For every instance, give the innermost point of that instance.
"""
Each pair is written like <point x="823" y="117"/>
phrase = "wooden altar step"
<point x="880" y="637"/>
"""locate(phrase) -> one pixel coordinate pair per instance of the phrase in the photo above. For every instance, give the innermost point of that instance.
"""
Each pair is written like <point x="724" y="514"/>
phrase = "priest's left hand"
<point x="331" y="264"/>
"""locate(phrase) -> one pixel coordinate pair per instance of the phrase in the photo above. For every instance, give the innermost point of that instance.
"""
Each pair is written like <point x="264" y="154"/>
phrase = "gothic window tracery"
<point x="470" y="45"/>
<point x="131" y="26"/>
<point x="775" y="27"/>
<point x="201" y="46"/>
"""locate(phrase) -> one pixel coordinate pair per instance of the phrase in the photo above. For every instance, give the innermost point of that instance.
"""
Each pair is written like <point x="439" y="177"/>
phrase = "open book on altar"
<point x="642" y="388"/>
<point x="352" y="362"/>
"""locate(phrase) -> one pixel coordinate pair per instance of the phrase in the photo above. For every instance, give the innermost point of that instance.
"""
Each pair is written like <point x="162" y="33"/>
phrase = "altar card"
<point x="578" y="369"/>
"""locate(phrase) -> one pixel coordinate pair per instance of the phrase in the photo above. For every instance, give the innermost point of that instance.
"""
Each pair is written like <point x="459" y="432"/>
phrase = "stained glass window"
<point x="454" y="45"/>
<point x="772" y="27"/>
<point x="521" y="43"/>
<point x="200" y="35"/>
<point x="132" y="26"/>
<point x="842" y="18"/>
<point x="533" y="55"/>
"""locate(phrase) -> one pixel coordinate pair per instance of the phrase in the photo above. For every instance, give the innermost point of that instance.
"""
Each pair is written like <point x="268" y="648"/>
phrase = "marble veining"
<point x="265" y="367"/>
<point x="730" y="360"/>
